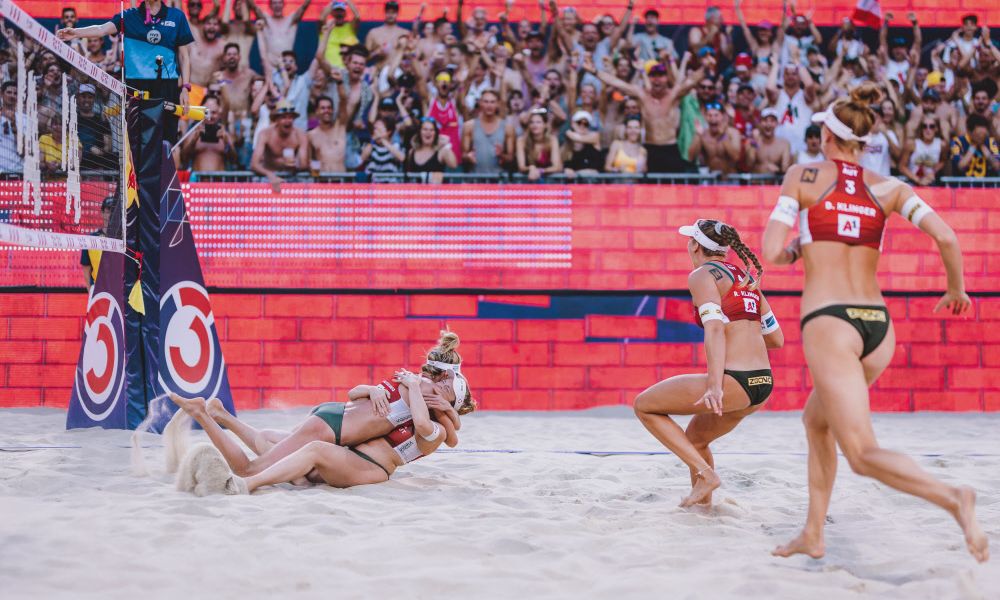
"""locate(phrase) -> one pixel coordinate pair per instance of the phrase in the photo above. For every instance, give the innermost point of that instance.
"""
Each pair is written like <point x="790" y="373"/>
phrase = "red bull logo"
<point x="101" y="373"/>
<point x="190" y="353"/>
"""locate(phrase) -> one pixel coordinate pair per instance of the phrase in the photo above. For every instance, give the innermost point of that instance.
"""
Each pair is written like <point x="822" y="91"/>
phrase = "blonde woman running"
<point x="840" y="211"/>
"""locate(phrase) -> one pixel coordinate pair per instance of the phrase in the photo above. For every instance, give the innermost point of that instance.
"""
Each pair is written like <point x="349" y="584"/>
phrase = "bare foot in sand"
<point x="809" y="545"/>
<point x="965" y="514"/>
<point x="705" y="483"/>
<point x="216" y="409"/>
<point x="192" y="406"/>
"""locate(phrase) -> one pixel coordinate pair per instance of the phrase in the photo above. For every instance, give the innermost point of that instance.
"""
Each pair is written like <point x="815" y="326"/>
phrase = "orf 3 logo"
<point x="101" y="373"/>
<point x="189" y="350"/>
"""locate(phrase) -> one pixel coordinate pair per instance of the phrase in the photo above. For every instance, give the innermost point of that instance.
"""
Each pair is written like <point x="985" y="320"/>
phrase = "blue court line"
<point x="520" y="451"/>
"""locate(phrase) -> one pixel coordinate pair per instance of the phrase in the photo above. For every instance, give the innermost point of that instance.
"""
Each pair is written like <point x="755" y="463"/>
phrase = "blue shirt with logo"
<point x="145" y="39"/>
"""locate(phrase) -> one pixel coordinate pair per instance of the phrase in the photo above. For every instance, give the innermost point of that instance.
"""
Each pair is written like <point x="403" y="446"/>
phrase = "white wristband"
<point x="786" y="211"/>
<point x="434" y="434"/>
<point x="768" y="323"/>
<point x="915" y="209"/>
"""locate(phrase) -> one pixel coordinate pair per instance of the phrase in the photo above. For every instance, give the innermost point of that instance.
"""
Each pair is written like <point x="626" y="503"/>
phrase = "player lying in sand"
<point x="373" y="461"/>
<point x="739" y="329"/>
<point x="373" y="411"/>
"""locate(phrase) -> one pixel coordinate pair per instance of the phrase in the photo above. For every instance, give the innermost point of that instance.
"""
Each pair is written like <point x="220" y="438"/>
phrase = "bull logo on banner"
<point x="190" y="352"/>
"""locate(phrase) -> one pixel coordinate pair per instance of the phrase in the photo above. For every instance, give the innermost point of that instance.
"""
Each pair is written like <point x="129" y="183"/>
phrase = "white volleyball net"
<point x="62" y="139"/>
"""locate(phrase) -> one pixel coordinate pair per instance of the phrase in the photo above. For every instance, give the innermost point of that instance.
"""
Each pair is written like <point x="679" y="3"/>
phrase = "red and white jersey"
<point x="404" y="443"/>
<point x="391" y="388"/>
<point x="399" y="411"/>
<point x="848" y="214"/>
<point x="401" y="438"/>
<point x="739" y="303"/>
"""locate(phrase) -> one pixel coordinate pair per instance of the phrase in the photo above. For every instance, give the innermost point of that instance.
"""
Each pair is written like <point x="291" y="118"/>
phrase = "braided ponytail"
<point x="731" y="238"/>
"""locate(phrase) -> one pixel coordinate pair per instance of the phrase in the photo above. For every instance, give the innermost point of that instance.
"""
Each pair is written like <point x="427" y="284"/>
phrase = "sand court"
<point x="538" y="521"/>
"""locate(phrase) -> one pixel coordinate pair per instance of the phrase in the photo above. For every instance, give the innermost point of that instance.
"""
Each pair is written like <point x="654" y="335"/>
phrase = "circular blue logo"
<point x="101" y="373"/>
<point x="190" y="351"/>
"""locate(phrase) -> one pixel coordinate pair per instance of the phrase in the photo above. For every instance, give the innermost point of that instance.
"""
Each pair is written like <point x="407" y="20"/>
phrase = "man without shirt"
<point x="661" y="113"/>
<point x="381" y="40"/>
<point x="772" y="155"/>
<point x="280" y="30"/>
<point x="281" y="147"/>
<point x="235" y="79"/>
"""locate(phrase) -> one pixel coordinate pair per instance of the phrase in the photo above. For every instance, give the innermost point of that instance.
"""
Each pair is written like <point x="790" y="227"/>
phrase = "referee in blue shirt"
<point x="152" y="29"/>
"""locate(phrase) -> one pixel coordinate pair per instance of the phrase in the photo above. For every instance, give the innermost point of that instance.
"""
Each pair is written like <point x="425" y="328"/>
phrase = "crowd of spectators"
<point x="479" y="93"/>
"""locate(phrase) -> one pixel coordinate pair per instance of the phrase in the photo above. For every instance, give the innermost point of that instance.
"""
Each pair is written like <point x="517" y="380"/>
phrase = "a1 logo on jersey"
<point x="750" y="305"/>
<point x="849" y="226"/>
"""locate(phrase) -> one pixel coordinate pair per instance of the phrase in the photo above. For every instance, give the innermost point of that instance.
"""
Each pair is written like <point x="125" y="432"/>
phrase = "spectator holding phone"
<point x="211" y="148"/>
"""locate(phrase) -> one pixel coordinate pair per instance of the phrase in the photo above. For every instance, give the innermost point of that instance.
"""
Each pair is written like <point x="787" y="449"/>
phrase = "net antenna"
<point x="62" y="143"/>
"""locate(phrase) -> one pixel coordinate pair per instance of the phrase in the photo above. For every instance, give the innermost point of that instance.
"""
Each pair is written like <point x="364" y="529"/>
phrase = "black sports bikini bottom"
<point x="757" y="384"/>
<point x="872" y="322"/>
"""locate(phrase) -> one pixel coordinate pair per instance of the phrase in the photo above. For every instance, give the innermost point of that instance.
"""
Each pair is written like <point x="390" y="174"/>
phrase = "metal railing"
<point x="712" y="178"/>
<point x="971" y="182"/>
<point x="452" y="178"/>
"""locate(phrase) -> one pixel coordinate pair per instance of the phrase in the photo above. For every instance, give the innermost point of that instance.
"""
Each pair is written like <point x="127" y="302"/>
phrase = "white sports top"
<point x="925" y="156"/>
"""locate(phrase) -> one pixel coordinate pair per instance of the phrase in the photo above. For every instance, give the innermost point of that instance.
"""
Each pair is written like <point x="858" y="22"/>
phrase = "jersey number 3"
<point x="849" y="186"/>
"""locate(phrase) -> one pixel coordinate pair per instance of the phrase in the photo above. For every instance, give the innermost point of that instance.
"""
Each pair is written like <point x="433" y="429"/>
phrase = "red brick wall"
<point x="303" y="349"/>
<point x="622" y="238"/>
<point x="287" y="350"/>
<point x="932" y="12"/>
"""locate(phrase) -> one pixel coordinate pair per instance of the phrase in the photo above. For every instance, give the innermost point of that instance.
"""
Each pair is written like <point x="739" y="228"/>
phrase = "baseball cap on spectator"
<point x="812" y="49"/>
<point x="582" y="115"/>
<point x="443" y="77"/>
<point x="897" y="42"/>
<point x="657" y="69"/>
<point x="284" y="108"/>
<point x="651" y="12"/>
<point x="934" y="77"/>
<point x="108" y="203"/>
<point x="406" y="80"/>
<point x="339" y="6"/>
<point x="392" y="5"/>
<point x="770" y="111"/>
<point x="86" y="88"/>
<point x="534" y="34"/>
<point x="800" y="18"/>
<point x="743" y="62"/>
<point x="932" y="95"/>
<point x="706" y="51"/>
<point x="387" y="103"/>
<point x="745" y="87"/>
<point x="765" y="24"/>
